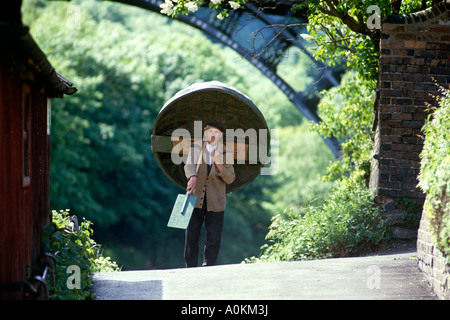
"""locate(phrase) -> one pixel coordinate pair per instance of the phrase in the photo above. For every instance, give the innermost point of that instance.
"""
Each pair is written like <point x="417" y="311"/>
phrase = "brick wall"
<point x="414" y="57"/>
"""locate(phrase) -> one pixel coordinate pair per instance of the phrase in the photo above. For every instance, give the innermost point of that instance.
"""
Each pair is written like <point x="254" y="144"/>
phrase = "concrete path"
<point x="383" y="277"/>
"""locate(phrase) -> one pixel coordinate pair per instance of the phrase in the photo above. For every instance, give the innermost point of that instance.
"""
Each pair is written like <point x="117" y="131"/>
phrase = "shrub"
<point x="434" y="178"/>
<point x="344" y="224"/>
<point x="73" y="246"/>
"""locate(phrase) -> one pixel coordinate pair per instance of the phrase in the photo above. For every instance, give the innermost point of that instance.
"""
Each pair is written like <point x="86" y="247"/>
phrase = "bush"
<point x="72" y="246"/>
<point x="344" y="224"/>
<point x="434" y="178"/>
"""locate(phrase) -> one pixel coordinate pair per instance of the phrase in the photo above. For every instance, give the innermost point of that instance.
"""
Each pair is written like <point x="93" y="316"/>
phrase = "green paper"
<point x="182" y="211"/>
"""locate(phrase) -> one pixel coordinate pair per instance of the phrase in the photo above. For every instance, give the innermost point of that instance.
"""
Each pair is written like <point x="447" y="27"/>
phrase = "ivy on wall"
<point x="435" y="172"/>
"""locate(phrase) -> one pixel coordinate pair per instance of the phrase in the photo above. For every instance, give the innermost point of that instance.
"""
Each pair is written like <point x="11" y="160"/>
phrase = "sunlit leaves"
<point x="434" y="178"/>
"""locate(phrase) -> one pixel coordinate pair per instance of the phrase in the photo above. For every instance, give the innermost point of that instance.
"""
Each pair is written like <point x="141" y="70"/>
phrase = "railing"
<point x="36" y="287"/>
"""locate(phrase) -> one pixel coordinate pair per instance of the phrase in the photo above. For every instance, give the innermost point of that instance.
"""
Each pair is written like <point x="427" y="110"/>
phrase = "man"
<point x="209" y="169"/>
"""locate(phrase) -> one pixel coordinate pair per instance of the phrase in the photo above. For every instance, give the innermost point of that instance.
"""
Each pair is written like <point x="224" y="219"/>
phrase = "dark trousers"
<point x="213" y="224"/>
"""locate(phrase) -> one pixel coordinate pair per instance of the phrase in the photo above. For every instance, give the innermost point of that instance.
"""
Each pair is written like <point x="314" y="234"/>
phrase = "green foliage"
<point x="303" y="159"/>
<point x="434" y="178"/>
<point x="347" y="114"/>
<point x="411" y="211"/>
<point x="336" y="43"/>
<point x="342" y="32"/>
<point x="73" y="246"/>
<point x="101" y="160"/>
<point x="173" y="8"/>
<point x="344" y="224"/>
<point x="126" y="63"/>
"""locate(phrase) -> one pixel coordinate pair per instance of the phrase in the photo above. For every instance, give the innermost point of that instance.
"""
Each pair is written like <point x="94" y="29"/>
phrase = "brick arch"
<point x="414" y="61"/>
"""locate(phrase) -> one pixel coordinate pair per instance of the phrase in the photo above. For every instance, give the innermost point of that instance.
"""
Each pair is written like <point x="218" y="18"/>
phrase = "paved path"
<point x="383" y="277"/>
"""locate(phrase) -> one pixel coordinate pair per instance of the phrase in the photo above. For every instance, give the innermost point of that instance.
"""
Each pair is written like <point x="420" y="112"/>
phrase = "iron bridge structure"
<point x="261" y="37"/>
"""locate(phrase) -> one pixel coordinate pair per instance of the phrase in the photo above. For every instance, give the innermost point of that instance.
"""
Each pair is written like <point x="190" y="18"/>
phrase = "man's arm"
<point x="190" y="168"/>
<point x="226" y="171"/>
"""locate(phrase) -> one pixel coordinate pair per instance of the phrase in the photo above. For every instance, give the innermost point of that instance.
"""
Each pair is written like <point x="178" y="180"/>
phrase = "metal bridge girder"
<point x="238" y="32"/>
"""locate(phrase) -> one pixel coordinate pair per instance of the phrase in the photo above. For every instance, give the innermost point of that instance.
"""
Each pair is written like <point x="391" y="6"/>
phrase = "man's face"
<point x="213" y="135"/>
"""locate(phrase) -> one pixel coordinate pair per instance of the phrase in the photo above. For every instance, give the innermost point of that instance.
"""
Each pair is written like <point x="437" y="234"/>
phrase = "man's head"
<point x="213" y="131"/>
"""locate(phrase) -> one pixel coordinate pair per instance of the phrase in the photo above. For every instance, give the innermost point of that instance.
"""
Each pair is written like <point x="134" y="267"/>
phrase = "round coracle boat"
<point x="181" y="121"/>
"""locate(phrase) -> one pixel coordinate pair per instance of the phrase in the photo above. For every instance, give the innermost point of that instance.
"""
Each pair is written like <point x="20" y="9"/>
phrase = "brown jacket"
<point x="214" y="184"/>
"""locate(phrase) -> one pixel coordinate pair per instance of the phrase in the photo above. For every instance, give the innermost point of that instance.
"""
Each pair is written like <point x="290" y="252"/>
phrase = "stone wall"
<point x="414" y="59"/>
<point x="431" y="260"/>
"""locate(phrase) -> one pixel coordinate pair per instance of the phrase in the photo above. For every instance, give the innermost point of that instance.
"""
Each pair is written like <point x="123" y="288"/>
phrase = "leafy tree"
<point x="341" y="30"/>
<point x="101" y="162"/>
<point x="102" y="168"/>
<point x="350" y="31"/>
<point x="303" y="160"/>
<point x="347" y="114"/>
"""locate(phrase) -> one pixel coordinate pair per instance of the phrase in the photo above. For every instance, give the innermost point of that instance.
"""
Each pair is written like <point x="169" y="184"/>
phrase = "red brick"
<point x="390" y="169"/>
<point x="413" y="77"/>
<point x="395" y="109"/>
<point x="437" y="62"/>
<point x="401" y="116"/>
<point x="390" y="28"/>
<point x="405" y="36"/>
<point x="386" y="84"/>
<point x="418" y="116"/>
<point x="441" y="29"/>
<point x="402" y="101"/>
<point x="414" y="44"/>
<point x="443" y="55"/>
<point x="391" y="92"/>
<point x="385" y="131"/>
<point x="410" y="155"/>
<point x="403" y="147"/>
<point x="424" y="54"/>
<point x="384" y="108"/>
<point x="391" y="155"/>
<point x="410" y="140"/>
<point x="391" y="124"/>
<point x="413" y="124"/>
<point x="391" y="139"/>
<point x="402" y="131"/>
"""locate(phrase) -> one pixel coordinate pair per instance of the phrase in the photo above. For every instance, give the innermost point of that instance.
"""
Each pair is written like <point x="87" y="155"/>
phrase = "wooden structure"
<point x="208" y="101"/>
<point x="27" y="82"/>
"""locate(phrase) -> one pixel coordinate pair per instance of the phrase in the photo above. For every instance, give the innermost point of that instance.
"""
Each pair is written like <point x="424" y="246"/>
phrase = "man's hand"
<point x="191" y="184"/>
<point x="217" y="160"/>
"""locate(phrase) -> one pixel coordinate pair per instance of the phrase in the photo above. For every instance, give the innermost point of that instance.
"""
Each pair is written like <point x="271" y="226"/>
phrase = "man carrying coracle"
<point x="207" y="176"/>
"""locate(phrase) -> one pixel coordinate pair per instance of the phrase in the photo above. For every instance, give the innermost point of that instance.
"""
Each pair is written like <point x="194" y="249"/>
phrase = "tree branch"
<point x="357" y="26"/>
